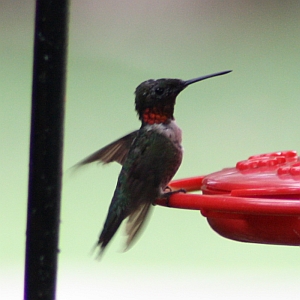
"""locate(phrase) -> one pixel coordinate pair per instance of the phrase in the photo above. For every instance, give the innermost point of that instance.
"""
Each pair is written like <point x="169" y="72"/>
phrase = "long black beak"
<point x="188" y="82"/>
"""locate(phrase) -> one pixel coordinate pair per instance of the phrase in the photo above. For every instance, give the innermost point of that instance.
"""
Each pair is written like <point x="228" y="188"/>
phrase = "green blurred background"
<point x="113" y="46"/>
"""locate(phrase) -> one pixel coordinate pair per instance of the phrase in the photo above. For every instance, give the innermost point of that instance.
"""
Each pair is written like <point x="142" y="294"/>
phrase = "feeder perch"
<point x="257" y="201"/>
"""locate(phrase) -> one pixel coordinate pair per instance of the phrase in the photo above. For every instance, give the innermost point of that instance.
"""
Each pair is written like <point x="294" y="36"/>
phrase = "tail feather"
<point x="111" y="226"/>
<point x="135" y="222"/>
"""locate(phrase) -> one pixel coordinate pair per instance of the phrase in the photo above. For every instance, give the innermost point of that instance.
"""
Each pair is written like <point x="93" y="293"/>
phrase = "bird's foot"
<point x="167" y="189"/>
<point x="166" y="196"/>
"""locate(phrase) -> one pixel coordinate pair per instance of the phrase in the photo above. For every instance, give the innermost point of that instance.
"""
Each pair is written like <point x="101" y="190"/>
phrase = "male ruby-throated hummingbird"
<point x="149" y="156"/>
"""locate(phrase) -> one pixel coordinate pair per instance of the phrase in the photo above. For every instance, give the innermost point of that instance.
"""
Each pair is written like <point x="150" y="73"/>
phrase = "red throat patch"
<point x="153" y="116"/>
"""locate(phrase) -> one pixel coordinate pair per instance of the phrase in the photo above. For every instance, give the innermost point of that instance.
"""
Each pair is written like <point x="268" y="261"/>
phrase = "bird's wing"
<point x="151" y="163"/>
<point x="115" y="151"/>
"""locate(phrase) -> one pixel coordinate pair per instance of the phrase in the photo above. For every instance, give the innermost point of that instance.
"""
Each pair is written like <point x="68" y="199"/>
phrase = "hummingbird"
<point x="150" y="157"/>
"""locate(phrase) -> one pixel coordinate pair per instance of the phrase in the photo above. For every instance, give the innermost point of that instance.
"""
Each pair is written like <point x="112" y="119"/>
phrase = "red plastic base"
<point x="258" y="201"/>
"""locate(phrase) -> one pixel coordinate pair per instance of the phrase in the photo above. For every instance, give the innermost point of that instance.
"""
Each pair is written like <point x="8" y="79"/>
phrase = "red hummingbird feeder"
<point x="257" y="201"/>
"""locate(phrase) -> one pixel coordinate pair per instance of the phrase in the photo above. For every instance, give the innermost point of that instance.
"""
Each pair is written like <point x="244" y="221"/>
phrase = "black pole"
<point x="46" y="144"/>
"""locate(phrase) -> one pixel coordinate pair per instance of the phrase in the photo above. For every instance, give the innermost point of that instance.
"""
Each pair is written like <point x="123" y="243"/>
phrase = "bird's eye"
<point x="159" y="90"/>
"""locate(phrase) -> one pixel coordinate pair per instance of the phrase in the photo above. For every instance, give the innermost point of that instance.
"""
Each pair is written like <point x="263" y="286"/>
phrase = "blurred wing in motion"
<point x="115" y="151"/>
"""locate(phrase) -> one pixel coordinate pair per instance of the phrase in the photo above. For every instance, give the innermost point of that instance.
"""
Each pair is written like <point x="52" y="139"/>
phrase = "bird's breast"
<point x="170" y="131"/>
